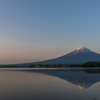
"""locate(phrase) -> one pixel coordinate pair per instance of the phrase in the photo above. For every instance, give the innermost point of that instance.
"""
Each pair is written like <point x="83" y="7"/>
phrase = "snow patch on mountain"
<point x="82" y="49"/>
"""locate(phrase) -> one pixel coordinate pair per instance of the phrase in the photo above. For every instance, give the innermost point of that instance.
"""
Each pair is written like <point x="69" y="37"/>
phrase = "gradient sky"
<point x="36" y="30"/>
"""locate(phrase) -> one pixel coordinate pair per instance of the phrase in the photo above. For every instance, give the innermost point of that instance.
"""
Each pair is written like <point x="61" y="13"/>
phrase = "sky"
<point x="37" y="30"/>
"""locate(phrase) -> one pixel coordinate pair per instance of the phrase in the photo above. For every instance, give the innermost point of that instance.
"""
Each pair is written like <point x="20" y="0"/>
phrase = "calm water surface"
<point x="49" y="85"/>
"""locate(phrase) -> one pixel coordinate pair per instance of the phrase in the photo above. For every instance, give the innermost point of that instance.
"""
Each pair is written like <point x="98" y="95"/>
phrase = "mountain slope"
<point x="78" y="56"/>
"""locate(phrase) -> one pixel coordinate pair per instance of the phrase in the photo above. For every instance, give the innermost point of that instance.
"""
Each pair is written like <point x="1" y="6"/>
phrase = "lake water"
<point x="33" y="84"/>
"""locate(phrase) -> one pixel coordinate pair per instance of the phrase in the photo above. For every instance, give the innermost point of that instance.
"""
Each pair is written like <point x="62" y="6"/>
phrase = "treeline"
<point x="92" y="71"/>
<point x="91" y="64"/>
<point x="88" y="64"/>
<point x="40" y="66"/>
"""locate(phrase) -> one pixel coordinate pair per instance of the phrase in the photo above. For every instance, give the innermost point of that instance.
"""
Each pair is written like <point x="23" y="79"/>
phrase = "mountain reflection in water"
<point x="22" y="84"/>
<point x="83" y="79"/>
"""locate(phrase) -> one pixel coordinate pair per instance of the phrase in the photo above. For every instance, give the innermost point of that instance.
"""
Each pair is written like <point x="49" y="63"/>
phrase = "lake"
<point x="32" y="84"/>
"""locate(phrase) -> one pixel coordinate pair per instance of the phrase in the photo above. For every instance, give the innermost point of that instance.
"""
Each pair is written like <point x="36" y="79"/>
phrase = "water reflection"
<point x="83" y="79"/>
<point x="49" y="85"/>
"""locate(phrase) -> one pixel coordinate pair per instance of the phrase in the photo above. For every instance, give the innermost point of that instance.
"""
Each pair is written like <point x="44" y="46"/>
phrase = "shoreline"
<point x="46" y="69"/>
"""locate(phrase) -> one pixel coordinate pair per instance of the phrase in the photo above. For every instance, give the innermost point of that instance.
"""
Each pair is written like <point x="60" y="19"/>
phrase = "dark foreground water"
<point x="50" y="85"/>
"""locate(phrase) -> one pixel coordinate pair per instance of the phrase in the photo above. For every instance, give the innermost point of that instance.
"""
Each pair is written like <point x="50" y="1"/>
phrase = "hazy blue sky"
<point x="34" y="30"/>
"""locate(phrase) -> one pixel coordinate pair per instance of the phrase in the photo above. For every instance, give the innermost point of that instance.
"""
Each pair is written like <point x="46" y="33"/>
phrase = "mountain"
<point x="78" y="56"/>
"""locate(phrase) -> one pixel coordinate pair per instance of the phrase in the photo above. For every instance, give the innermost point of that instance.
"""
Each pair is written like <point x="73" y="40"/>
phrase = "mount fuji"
<point x="78" y="56"/>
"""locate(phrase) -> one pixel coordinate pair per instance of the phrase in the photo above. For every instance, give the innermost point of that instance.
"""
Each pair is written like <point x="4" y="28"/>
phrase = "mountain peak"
<point x="80" y="48"/>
